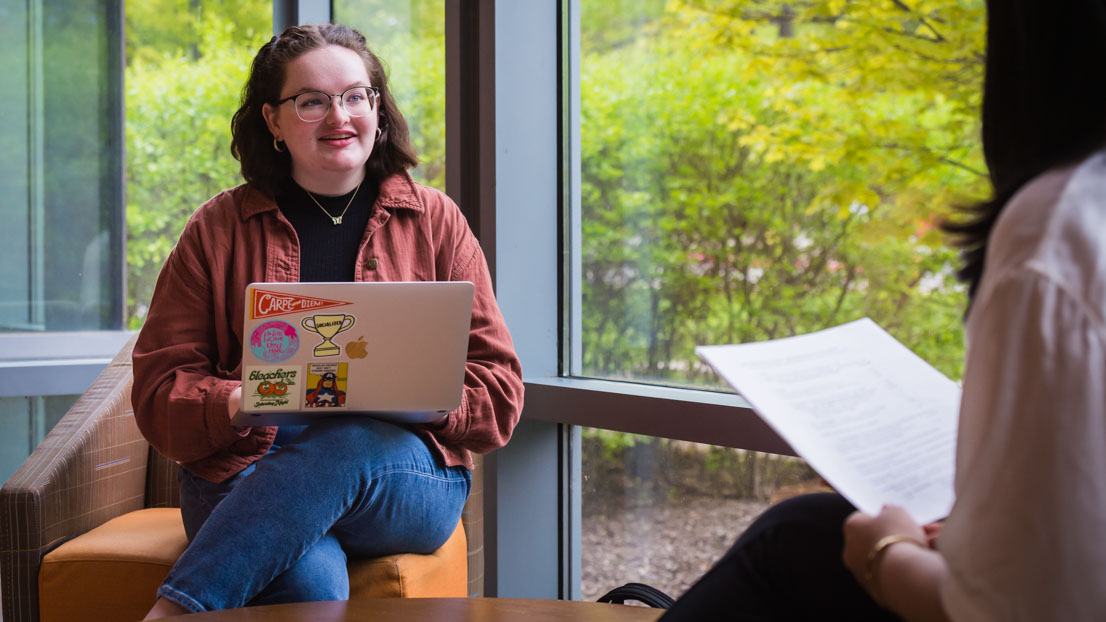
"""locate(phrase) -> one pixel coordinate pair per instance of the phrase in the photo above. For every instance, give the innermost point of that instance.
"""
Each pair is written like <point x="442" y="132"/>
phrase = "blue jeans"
<point x="280" y="530"/>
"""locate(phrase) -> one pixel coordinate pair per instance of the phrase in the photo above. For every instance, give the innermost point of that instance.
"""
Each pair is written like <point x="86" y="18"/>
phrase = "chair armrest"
<point x="162" y="490"/>
<point x="90" y="468"/>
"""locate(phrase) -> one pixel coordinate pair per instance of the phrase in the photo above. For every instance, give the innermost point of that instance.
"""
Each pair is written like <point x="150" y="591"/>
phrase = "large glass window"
<point x="61" y="196"/>
<point x="175" y="79"/>
<point x="749" y="171"/>
<point x="24" y="422"/>
<point x="752" y="170"/>
<point x="61" y="166"/>
<point x="187" y="61"/>
<point x="409" y="38"/>
<point x="662" y="512"/>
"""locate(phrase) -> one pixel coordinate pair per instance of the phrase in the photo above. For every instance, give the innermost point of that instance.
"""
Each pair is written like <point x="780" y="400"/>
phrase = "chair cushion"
<point x="441" y="574"/>
<point x="113" y="571"/>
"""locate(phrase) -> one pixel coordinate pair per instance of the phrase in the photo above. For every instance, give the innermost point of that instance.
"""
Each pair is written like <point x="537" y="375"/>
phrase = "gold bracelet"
<point x="873" y="559"/>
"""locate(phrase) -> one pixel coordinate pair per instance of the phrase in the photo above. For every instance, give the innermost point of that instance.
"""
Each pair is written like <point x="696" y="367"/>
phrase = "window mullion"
<point x="294" y="12"/>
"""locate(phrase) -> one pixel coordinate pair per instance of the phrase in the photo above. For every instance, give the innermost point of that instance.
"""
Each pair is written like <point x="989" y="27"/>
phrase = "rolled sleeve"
<point x="180" y="396"/>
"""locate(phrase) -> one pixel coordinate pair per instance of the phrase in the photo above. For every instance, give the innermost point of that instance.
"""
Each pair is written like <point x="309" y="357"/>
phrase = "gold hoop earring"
<point x="276" y="145"/>
<point x="378" y="133"/>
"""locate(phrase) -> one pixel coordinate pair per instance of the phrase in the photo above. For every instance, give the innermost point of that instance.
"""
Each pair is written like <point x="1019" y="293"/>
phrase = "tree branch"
<point x="925" y="22"/>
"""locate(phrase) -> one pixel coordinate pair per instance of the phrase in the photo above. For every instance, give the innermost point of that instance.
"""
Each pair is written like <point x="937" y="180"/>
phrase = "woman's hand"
<point x="234" y="402"/>
<point x="863" y="532"/>
<point x="891" y="557"/>
<point x="932" y="531"/>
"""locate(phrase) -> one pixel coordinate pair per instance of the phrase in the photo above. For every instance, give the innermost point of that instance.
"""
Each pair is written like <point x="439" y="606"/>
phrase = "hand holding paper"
<point x="874" y="419"/>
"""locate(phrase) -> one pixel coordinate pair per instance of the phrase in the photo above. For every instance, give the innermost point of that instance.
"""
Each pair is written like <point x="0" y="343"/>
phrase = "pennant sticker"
<point x="264" y="304"/>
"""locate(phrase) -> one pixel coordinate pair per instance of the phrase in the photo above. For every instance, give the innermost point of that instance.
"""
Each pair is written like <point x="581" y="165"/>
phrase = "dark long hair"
<point x="1044" y="105"/>
<point x="252" y="143"/>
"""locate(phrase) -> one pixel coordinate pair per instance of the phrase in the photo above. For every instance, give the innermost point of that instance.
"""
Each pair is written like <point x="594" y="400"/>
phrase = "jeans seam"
<point x="179" y="597"/>
<point x="409" y="471"/>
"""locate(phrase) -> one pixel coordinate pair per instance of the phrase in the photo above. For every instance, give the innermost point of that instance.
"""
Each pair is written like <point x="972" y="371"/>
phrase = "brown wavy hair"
<point x="252" y="143"/>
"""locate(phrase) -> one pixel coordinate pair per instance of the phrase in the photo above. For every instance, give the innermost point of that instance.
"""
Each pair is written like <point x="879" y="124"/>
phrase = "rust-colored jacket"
<point x="188" y="357"/>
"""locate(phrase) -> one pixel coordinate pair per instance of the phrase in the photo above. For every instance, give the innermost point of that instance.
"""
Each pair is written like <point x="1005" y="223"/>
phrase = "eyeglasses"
<point x="312" y="106"/>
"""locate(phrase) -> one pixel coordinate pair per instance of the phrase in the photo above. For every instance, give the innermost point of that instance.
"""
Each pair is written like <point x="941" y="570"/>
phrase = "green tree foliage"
<point x="186" y="65"/>
<point x="409" y="39"/>
<point x="158" y="30"/>
<point x="753" y="170"/>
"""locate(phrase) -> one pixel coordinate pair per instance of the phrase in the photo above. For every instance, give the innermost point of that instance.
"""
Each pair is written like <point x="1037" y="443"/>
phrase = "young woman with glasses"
<point x="271" y="513"/>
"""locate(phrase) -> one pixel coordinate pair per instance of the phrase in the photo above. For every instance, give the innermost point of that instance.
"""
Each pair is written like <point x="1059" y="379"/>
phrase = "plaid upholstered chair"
<point x="90" y="525"/>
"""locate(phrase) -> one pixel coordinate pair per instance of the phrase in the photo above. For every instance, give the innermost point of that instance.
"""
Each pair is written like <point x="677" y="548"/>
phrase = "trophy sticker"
<point x="274" y="341"/>
<point x="327" y="326"/>
<point x="272" y="387"/>
<point x="326" y="385"/>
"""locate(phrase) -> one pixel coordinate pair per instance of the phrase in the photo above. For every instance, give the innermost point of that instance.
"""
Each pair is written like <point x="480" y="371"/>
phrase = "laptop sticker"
<point x="274" y="341"/>
<point x="265" y="304"/>
<point x="326" y="385"/>
<point x="357" y="349"/>
<point x="327" y="326"/>
<point x="272" y="387"/>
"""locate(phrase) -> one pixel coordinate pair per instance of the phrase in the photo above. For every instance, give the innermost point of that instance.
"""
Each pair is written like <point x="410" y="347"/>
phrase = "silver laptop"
<point x="391" y="350"/>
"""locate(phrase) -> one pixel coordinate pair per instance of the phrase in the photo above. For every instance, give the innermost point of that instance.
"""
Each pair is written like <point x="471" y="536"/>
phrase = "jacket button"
<point x="371" y="264"/>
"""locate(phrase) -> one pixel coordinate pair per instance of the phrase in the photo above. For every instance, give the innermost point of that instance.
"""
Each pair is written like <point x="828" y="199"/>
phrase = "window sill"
<point x="62" y="363"/>
<point x="683" y="414"/>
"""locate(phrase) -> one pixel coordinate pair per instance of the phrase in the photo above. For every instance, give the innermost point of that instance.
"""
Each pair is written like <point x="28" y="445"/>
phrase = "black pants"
<point x="786" y="566"/>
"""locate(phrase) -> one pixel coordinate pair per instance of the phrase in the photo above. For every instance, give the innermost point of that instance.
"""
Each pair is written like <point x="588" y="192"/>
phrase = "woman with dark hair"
<point x="1023" y="539"/>
<point x="273" y="513"/>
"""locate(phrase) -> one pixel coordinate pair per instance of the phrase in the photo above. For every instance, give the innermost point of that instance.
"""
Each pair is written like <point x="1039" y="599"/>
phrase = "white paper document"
<point x="870" y="416"/>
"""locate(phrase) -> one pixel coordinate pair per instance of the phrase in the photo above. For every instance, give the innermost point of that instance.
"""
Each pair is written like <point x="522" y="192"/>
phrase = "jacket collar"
<point x="396" y="192"/>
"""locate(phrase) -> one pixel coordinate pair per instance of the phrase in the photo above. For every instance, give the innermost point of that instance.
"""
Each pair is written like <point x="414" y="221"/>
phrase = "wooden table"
<point x="433" y="610"/>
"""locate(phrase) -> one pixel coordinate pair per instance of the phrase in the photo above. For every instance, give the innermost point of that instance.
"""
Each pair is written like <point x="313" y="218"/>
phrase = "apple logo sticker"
<point x="357" y="349"/>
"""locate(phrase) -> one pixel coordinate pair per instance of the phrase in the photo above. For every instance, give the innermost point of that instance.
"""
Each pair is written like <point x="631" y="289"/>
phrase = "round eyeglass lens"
<point x="314" y="105"/>
<point x="358" y="101"/>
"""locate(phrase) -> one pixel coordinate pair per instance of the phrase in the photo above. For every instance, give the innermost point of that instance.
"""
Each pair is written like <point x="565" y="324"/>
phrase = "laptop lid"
<point x="392" y="350"/>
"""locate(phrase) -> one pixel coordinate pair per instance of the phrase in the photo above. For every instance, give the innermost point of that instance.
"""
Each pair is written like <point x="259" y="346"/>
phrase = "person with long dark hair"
<point x="1023" y="539"/>
<point x="273" y="513"/>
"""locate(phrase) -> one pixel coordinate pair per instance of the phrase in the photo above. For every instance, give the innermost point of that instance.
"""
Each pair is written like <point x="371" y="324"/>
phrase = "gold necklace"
<point x="337" y="220"/>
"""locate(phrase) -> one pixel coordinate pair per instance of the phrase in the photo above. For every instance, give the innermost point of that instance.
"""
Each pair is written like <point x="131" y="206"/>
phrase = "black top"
<point x="328" y="252"/>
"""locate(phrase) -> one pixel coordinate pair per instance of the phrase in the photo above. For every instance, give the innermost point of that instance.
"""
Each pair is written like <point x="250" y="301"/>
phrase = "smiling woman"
<point x="317" y="130"/>
<point x="329" y="144"/>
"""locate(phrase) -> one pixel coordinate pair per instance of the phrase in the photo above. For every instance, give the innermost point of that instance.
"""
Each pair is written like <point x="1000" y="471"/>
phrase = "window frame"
<point x="537" y="279"/>
<point x="539" y="240"/>
<point x="47" y="363"/>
